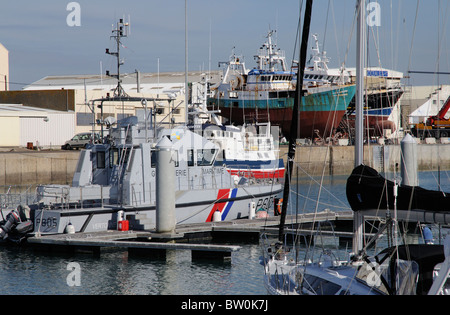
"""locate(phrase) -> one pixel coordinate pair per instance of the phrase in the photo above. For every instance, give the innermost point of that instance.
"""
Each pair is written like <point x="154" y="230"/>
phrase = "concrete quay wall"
<point x="37" y="167"/>
<point x="58" y="167"/>
<point x="339" y="160"/>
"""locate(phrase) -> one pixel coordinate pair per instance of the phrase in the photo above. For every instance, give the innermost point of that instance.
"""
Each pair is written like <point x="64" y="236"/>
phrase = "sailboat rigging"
<point x="399" y="269"/>
<point x="294" y="123"/>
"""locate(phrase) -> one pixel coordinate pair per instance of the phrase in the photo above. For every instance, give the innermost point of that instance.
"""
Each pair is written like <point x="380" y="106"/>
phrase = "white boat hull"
<point x="191" y="207"/>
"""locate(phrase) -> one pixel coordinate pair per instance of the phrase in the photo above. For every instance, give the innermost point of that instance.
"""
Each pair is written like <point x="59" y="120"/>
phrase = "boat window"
<point x="113" y="157"/>
<point x="124" y="156"/>
<point x="205" y="157"/>
<point x="118" y="156"/>
<point x="320" y="286"/>
<point x="273" y="95"/>
<point x="101" y="160"/>
<point x="153" y="158"/>
<point x="190" y="157"/>
<point x="175" y="158"/>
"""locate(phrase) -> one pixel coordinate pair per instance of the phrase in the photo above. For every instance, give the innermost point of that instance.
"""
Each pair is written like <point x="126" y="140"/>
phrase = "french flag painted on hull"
<point x="223" y="207"/>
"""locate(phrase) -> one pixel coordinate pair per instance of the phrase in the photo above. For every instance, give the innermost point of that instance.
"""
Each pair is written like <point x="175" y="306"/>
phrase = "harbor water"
<point x="25" y="272"/>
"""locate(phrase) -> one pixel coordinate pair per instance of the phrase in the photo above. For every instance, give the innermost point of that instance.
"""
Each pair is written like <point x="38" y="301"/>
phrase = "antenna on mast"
<point x="122" y="30"/>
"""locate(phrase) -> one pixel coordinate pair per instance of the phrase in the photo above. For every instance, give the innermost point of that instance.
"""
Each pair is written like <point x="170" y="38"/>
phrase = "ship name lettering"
<point x="180" y="173"/>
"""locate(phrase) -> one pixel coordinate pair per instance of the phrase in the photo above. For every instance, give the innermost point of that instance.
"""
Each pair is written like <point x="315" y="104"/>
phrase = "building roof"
<point x="149" y="82"/>
<point x="19" y="108"/>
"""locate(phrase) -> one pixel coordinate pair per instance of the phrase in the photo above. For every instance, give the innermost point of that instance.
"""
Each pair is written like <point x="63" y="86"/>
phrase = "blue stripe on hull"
<point x="334" y="100"/>
<point x="379" y="112"/>
<point x="229" y="205"/>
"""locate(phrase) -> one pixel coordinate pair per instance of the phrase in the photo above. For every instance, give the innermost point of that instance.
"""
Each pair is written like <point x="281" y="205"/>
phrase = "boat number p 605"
<point x="50" y="222"/>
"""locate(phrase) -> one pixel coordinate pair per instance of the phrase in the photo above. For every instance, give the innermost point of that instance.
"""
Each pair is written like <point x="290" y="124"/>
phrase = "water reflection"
<point x="24" y="272"/>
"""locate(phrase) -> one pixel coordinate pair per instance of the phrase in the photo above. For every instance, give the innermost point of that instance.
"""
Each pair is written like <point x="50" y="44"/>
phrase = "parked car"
<point x="81" y="140"/>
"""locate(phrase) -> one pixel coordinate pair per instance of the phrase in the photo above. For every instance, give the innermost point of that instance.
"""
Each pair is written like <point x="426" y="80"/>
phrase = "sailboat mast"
<point x="358" y="220"/>
<point x="295" y="114"/>
<point x="186" y="57"/>
<point x="360" y="54"/>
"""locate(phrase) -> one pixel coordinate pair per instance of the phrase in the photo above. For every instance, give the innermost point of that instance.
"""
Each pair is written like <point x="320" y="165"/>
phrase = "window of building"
<point x="85" y="119"/>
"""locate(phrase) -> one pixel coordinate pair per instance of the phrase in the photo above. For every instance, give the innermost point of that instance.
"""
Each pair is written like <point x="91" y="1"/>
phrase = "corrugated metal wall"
<point x="54" y="131"/>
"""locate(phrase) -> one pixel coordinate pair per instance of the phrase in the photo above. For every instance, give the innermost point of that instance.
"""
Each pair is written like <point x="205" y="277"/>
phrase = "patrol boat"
<point x="116" y="181"/>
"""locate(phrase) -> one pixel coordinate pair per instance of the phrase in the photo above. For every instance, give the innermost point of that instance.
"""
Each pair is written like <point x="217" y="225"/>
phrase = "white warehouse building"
<point x="22" y="125"/>
<point x="76" y="93"/>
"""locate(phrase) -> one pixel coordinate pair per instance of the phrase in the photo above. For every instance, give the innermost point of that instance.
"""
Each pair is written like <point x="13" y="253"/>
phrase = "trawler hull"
<point x="321" y="110"/>
<point x="376" y="113"/>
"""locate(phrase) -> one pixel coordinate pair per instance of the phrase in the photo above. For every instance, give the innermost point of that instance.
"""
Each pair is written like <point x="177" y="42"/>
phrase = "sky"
<point x="41" y="43"/>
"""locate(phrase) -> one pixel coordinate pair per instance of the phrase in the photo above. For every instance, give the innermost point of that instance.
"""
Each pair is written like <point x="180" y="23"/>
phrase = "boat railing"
<point x="12" y="196"/>
<point x="65" y="197"/>
<point x="258" y="143"/>
<point x="275" y="259"/>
